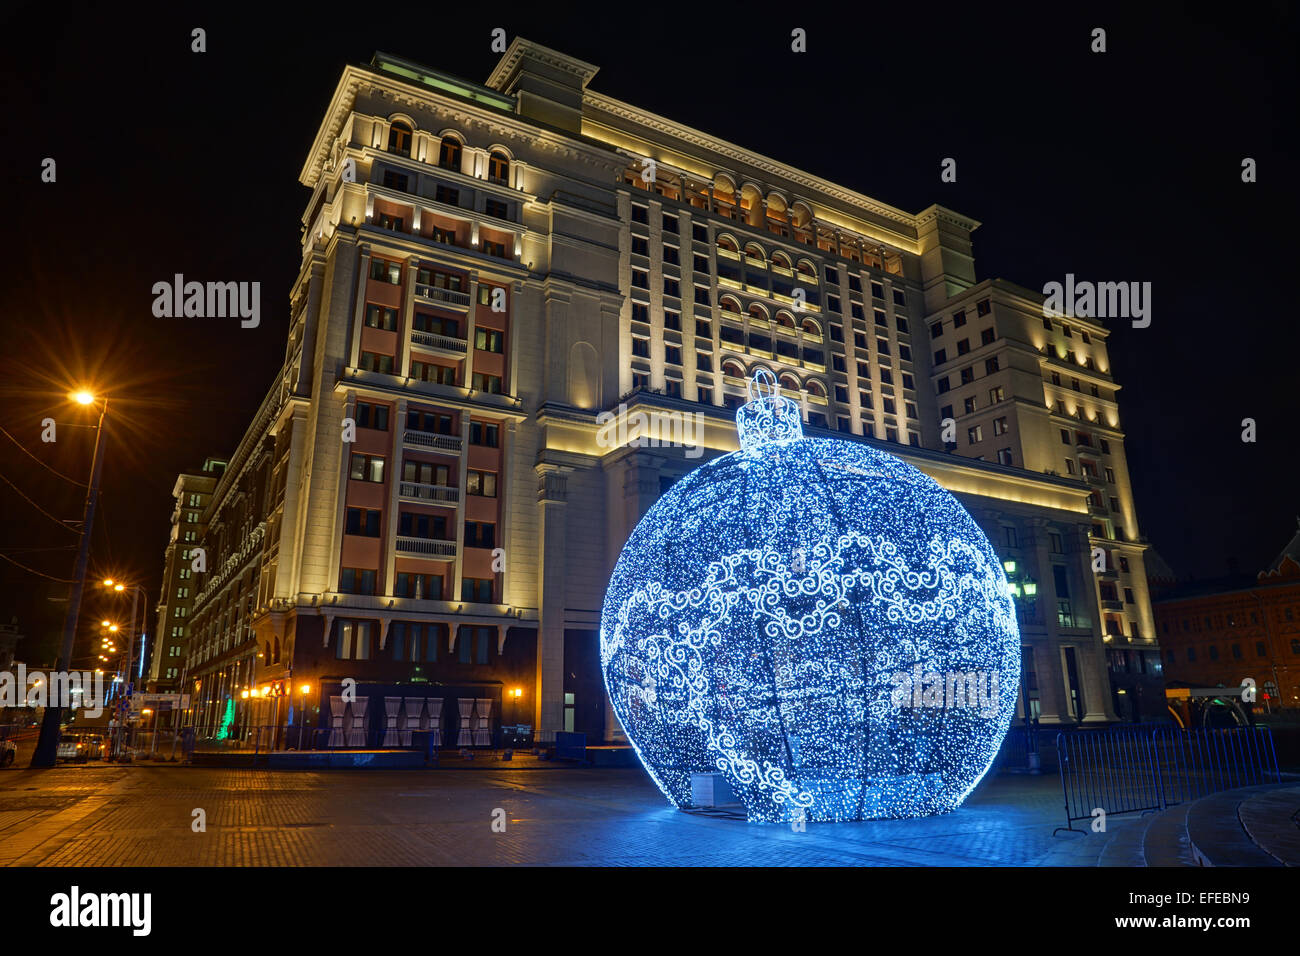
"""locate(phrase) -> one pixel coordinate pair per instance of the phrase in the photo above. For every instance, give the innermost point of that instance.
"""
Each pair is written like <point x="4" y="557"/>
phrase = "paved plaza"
<point x="104" y="814"/>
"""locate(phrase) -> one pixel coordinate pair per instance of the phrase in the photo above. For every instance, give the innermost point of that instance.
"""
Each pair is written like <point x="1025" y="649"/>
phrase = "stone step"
<point x="1216" y="835"/>
<point x="1164" y="841"/>
<point x="1124" y="845"/>
<point x="1271" y="818"/>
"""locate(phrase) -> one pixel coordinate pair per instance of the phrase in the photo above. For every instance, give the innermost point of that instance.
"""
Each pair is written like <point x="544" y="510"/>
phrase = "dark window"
<point x="480" y="534"/>
<point x="363" y="522"/>
<point x="449" y="154"/>
<point x="399" y="139"/>
<point x="482" y="433"/>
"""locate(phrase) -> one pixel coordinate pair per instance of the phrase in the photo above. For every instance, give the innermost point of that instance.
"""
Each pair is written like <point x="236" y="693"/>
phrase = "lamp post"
<point x="136" y="591"/>
<point x="47" y="745"/>
<point x="302" y="718"/>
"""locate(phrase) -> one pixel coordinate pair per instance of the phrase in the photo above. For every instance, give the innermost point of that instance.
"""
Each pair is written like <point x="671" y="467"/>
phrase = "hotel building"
<point x="425" y="503"/>
<point x="192" y="493"/>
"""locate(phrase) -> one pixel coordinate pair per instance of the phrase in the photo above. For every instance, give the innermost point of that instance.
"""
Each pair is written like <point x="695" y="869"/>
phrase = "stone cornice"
<point x="521" y="48"/>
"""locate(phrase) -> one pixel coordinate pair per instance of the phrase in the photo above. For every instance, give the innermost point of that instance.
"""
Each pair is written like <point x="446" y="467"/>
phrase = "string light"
<point x="817" y="621"/>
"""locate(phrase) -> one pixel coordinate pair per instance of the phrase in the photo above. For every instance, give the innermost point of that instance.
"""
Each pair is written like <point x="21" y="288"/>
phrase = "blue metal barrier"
<point x="1143" y="769"/>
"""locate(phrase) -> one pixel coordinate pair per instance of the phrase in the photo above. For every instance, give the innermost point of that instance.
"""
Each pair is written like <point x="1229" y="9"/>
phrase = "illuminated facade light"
<point x="817" y="621"/>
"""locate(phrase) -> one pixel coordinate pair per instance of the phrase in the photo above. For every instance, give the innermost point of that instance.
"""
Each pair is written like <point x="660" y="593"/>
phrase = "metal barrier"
<point x="1144" y="769"/>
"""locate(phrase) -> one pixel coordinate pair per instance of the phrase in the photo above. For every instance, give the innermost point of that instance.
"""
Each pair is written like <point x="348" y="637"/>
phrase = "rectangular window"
<point x="481" y="483"/>
<point x="374" y="362"/>
<point x="487" y="383"/>
<point x="485" y="434"/>
<point x="478" y="590"/>
<point x="367" y="468"/>
<point x="356" y="581"/>
<point x="670" y="224"/>
<point x="488" y="340"/>
<point x="353" y="640"/>
<point x="385" y="271"/>
<point x="974" y="434"/>
<point x="381" y="317"/>
<point x="363" y="522"/>
<point x="480" y="534"/>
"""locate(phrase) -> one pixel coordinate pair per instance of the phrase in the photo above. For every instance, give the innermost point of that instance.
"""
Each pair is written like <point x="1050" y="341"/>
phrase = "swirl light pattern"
<point x="817" y="621"/>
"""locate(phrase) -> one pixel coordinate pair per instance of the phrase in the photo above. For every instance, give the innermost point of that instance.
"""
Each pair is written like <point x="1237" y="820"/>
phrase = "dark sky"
<point x="1115" y="166"/>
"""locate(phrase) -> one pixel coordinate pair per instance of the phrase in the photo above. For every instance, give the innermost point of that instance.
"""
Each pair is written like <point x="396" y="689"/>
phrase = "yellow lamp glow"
<point x="83" y="397"/>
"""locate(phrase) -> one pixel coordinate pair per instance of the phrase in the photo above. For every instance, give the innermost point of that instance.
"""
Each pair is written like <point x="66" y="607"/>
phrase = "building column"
<point x="359" y="312"/>
<point x="1047" y="654"/>
<point x="552" y="502"/>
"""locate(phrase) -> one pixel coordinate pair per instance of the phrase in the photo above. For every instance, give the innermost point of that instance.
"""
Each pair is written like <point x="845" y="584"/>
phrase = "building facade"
<point x="1220" y="637"/>
<point x="498" y="278"/>
<point x="192" y="494"/>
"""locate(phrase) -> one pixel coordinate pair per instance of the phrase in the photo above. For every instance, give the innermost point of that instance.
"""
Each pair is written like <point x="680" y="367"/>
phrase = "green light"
<point x="1009" y="566"/>
<point x="1031" y="588"/>
<point x="227" y="719"/>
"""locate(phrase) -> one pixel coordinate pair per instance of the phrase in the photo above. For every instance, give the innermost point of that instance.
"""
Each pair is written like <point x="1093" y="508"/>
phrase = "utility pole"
<point x="47" y="745"/>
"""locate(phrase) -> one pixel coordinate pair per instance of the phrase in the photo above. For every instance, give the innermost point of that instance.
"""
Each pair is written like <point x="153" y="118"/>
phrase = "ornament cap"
<point x="768" y="418"/>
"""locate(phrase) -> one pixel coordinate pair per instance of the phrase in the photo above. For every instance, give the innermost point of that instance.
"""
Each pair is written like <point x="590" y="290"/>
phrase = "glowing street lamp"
<point x="47" y="745"/>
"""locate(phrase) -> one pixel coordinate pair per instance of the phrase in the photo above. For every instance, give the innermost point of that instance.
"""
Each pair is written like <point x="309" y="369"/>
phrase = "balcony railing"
<point x="435" y="293"/>
<point x="436" y="340"/>
<point x="438" y="494"/>
<point x="427" y="547"/>
<point x="444" y="443"/>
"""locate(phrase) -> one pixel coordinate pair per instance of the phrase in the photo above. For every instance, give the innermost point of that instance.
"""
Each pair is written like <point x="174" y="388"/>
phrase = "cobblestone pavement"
<point x="112" y="815"/>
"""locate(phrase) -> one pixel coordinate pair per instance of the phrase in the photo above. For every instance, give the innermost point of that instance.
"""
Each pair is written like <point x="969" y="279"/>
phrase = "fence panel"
<point x="1137" y="770"/>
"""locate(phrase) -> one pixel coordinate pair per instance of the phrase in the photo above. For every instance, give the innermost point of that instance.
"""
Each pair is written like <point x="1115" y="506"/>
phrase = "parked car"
<point x="80" y="748"/>
<point x="8" y="750"/>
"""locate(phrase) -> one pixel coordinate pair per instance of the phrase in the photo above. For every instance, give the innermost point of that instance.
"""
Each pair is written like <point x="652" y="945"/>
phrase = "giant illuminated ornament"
<point x="818" y="622"/>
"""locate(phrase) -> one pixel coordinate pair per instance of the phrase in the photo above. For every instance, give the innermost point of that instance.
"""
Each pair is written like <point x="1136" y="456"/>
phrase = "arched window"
<point x="788" y="381"/>
<point x="756" y="311"/>
<point x="806" y="268"/>
<point x="499" y="168"/>
<point x="754" y="251"/>
<point x="399" y="139"/>
<point x="277" y="650"/>
<point x="810" y="328"/>
<point x="726" y="242"/>
<point x="816" y="388"/>
<point x="785" y="320"/>
<point x="733" y="368"/>
<point x="729" y="304"/>
<point x="781" y="259"/>
<point x="449" y="153"/>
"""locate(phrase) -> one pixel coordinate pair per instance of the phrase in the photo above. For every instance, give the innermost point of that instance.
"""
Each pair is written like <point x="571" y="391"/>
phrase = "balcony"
<point x="430" y="494"/>
<point x="427" y="547"/>
<point x="438" y="342"/>
<point x="446" y="444"/>
<point x="1112" y="605"/>
<point x="441" y="296"/>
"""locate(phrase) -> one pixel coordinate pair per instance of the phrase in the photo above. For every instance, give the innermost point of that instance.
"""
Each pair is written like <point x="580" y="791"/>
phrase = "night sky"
<point x="1123" y="166"/>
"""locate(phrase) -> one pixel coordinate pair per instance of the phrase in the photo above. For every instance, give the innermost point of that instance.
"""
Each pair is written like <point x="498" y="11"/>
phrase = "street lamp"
<point x="47" y="745"/>
<point x="136" y="590"/>
<point x="302" y="723"/>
